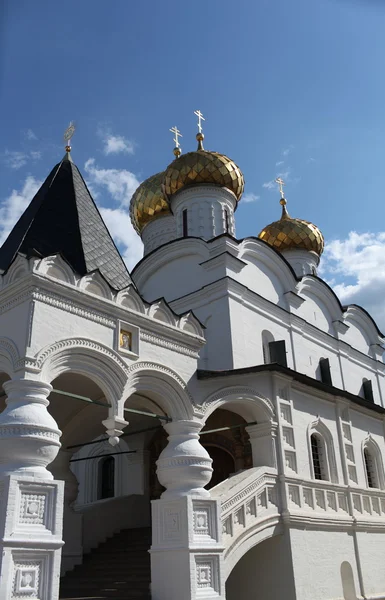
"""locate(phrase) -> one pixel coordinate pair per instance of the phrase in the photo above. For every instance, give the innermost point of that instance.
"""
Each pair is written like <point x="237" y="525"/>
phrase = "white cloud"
<point x="13" y="206"/>
<point x="115" y="144"/>
<point x="279" y="163"/>
<point x="120" y="183"/>
<point x="30" y="135"/>
<point x="15" y="159"/>
<point x="287" y="150"/>
<point x="249" y="197"/>
<point x="119" y="225"/>
<point x="360" y="258"/>
<point x="272" y="185"/>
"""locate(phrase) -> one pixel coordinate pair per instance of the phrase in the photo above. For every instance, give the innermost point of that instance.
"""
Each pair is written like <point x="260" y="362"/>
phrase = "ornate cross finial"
<point x="281" y="183"/>
<point x="177" y="133"/>
<point x="200" y="119"/>
<point x="68" y="134"/>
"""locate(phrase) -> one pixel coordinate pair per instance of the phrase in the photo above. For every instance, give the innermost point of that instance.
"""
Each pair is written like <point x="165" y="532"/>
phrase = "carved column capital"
<point x="184" y="466"/>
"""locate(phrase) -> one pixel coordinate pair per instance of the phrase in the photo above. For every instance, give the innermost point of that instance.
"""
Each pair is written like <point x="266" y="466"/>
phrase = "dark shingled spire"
<point x="63" y="219"/>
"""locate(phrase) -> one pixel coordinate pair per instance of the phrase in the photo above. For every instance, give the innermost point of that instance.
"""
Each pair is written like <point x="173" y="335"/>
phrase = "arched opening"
<point x="106" y="482"/>
<point x="225" y="438"/>
<point x="223" y="465"/>
<point x="322" y="458"/>
<point x="347" y="579"/>
<point x="254" y="577"/>
<point x="318" y="456"/>
<point x="373" y="465"/>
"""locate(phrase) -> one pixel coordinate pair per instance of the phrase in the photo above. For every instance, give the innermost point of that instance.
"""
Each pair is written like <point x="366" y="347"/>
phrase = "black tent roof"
<point x="62" y="218"/>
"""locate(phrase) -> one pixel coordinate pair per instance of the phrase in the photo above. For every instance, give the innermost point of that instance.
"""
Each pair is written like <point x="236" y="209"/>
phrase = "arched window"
<point x="321" y="452"/>
<point x="367" y="390"/>
<point x="319" y="458"/>
<point x="374" y="469"/>
<point x="106" y="478"/>
<point x="370" y="469"/>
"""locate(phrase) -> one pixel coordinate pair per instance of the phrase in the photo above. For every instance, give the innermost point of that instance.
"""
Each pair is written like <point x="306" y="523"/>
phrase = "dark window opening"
<point x="184" y="223"/>
<point x="369" y="469"/>
<point x="277" y="351"/>
<point x="107" y="478"/>
<point x="316" y="451"/>
<point x="326" y="376"/>
<point x="227" y="221"/>
<point x="367" y="390"/>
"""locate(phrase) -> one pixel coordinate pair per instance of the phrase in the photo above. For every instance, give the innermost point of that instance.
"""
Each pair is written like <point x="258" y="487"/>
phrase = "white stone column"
<point x="72" y="553"/>
<point x="186" y="552"/>
<point x="262" y="440"/>
<point x="31" y="508"/>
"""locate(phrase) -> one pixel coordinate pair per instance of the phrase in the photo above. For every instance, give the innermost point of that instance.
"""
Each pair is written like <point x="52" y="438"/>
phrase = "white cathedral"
<point x="209" y="426"/>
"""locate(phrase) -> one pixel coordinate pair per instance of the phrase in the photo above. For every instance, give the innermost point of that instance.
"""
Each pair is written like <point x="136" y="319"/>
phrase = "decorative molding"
<point x="157" y="340"/>
<point x="79" y="342"/>
<point x="72" y="307"/>
<point x="240" y="394"/>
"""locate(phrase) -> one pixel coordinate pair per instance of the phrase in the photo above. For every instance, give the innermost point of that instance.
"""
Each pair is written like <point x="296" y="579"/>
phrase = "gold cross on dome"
<point x="200" y="119"/>
<point x="281" y="183"/>
<point x="177" y="134"/>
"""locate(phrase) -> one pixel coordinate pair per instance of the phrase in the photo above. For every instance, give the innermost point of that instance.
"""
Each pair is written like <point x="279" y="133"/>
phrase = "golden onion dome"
<point x="289" y="233"/>
<point x="148" y="202"/>
<point x="201" y="167"/>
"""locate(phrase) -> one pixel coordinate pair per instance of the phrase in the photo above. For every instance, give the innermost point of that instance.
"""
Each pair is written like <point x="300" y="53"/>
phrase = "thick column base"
<point x="31" y="516"/>
<point x="186" y="552"/>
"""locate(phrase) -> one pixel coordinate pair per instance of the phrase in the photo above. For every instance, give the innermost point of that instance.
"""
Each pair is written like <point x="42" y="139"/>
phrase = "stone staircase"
<point x="119" y="568"/>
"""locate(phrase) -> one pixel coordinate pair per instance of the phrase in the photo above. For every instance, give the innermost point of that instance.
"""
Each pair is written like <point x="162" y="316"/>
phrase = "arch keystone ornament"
<point x="31" y="511"/>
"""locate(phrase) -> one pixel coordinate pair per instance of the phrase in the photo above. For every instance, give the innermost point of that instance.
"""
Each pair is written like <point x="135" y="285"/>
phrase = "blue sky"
<point x="287" y="87"/>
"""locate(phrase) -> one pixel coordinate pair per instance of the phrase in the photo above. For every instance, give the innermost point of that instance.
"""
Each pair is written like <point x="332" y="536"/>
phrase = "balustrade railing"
<point x="248" y="499"/>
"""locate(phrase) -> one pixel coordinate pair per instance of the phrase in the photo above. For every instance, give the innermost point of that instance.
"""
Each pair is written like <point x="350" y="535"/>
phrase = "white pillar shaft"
<point x="186" y="552"/>
<point x="31" y="511"/>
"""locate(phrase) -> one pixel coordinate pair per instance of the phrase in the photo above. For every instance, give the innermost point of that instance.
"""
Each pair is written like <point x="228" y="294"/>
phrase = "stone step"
<point x="119" y="568"/>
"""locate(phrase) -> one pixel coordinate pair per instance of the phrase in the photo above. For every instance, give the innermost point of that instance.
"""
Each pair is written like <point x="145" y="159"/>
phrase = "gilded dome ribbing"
<point x="201" y="167"/>
<point x="148" y="202"/>
<point x="289" y="233"/>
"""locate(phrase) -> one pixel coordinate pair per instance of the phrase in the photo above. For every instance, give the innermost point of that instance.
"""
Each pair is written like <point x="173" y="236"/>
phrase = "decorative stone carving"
<point x="29" y="436"/>
<point x="26" y="580"/>
<point x="184" y="466"/>
<point x="32" y="508"/>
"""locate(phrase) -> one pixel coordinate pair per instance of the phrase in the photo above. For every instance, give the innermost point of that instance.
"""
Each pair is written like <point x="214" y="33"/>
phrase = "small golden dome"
<point x="148" y="202"/>
<point x="203" y="166"/>
<point x="288" y="233"/>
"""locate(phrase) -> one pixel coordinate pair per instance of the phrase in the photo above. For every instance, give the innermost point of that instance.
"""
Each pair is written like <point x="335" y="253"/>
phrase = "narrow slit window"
<point x="184" y="223"/>
<point x="227" y="221"/>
